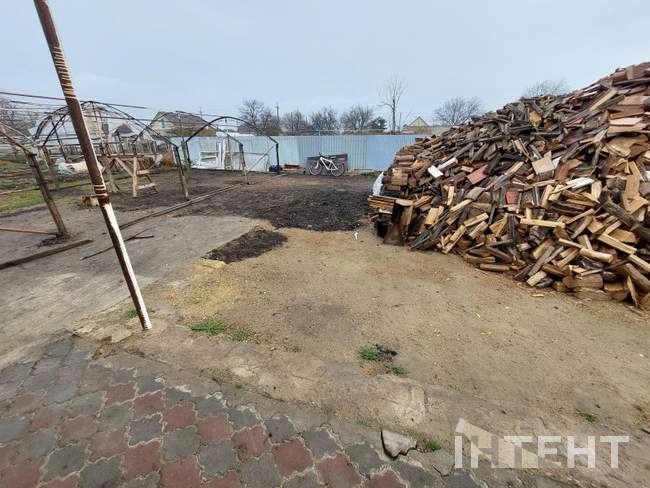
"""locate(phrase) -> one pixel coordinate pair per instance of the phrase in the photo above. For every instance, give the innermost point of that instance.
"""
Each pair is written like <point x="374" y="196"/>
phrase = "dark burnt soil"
<point x="312" y="208"/>
<point x="254" y="243"/>
<point x="319" y="203"/>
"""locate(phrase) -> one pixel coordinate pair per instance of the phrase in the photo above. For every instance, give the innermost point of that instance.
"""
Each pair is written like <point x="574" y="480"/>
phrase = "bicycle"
<point x="334" y="168"/>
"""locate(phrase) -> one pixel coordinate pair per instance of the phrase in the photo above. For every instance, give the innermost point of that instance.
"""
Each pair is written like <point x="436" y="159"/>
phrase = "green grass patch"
<point x="211" y="327"/>
<point x="241" y="335"/>
<point x="432" y="445"/>
<point x="589" y="417"/>
<point x="397" y="370"/>
<point x="369" y="353"/>
<point x="131" y="313"/>
<point x="22" y="199"/>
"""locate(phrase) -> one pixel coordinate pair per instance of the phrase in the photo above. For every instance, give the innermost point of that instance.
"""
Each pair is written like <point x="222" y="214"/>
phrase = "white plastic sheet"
<point x="376" y="186"/>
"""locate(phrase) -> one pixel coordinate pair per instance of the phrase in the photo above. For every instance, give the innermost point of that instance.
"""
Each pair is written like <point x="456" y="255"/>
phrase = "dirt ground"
<point x="290" y="323"/>
<point x="305" y="202"/>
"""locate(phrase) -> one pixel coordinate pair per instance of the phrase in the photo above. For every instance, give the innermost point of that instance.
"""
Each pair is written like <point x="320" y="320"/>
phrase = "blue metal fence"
<point x="365" y="152"/>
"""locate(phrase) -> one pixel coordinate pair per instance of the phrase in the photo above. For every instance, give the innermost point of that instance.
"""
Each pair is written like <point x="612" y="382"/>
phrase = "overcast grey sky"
<point x="204" y="54"/>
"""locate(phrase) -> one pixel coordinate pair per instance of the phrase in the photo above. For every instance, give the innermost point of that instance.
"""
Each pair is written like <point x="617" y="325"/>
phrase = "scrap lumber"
<point x="43" y="254"/>
<point x="28" y="231"/>
<point x="554" y="190"/>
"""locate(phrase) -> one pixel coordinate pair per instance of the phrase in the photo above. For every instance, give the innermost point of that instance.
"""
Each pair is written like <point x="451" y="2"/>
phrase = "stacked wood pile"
<point x="553" y="190"/>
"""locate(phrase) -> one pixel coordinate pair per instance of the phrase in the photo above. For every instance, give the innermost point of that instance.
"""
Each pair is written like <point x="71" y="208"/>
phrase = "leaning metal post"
<point x="32" y="162"/>
<point x="77" y="118"/>
<point x="242" y="162"/>
<point x="186" y="154"/>
<point x="181" y="172"/>
<point x="49" y="201"/>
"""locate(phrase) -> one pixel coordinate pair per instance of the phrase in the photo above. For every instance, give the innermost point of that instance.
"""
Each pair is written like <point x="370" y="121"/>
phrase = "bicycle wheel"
<point x="338" y="169"/>
<point x="314" y="167"/>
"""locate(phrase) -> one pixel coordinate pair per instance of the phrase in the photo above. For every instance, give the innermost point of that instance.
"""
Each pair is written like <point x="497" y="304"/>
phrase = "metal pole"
<point x="49" y="201"/>
<point x="183" y="145"/>
<point x="50" y="166"/>
<point x="65" y="156"/>
<point x="242" y="162"/>
<point x="181" y="173"/>
<point x="186" y="154"/>
<point x="77" y="118"/>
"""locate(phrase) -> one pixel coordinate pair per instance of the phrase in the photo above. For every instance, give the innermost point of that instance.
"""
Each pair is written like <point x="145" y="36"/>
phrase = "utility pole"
<point x="80" y="128"/>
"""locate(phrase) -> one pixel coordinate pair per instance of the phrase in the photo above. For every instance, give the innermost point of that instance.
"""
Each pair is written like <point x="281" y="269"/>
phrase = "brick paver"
<point x="68" y="421"/>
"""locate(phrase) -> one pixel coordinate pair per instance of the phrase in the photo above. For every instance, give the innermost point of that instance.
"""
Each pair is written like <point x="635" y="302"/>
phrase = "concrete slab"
<point x="63" y="288"/>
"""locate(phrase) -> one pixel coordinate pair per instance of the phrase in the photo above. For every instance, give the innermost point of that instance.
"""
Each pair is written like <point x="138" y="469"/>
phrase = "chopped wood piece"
<point x="590" y="294"/>
<point x="542" y="223"/>
<point x="536" y="278"/>
<point x="494" y="267"/>
<point x="597" y="256"/>
<point x="639" y="263"/>
<point x="590" y="281"/>
<point x="640" y="281"/>
<point x="623" y="235"/>
<point x="616" y="244"/>
<point x="544" y="165"/>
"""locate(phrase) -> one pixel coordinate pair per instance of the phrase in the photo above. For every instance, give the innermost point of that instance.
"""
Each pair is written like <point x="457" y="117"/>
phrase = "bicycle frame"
<point x="327" y="163"/>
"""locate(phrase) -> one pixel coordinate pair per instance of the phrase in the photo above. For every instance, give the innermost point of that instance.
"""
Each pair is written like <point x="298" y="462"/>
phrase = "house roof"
<point x="123" y="129"/>
<point x="418" y="122"/>
<point x="180" y="119"/>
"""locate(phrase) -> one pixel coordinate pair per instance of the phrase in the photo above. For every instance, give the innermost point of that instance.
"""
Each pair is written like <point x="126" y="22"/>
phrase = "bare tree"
<point x="458" y="110"/>
<point x="357" y="118"/>
<point x="326" y="119"/>
<point x="391" y="94"/>
<point x="294" y="122"/>
<point x="252" y="111"/>
<point x="269" y="123"/>
<point x="261" y="117"/>
<point x="546" y="87"/>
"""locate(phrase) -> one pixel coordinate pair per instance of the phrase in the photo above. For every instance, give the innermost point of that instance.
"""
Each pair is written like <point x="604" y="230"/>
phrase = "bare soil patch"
<point x="304" y="202"/>
<point x="290" y="200"/>
<point x="252" y="244"/>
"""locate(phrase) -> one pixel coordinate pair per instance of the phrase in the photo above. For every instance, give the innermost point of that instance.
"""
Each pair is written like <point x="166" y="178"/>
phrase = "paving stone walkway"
<point x="68" y="420"/>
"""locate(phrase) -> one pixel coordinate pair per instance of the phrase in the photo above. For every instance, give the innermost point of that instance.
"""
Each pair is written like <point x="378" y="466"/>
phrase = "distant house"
<point x="123" y="132"/>
<point x="420" y="126"/>
<point x="178" y="124"/>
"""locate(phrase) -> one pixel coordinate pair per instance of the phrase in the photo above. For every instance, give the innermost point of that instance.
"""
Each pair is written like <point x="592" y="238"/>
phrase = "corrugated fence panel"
<point x="382" y="149"/>
<point x="365" y="152"/>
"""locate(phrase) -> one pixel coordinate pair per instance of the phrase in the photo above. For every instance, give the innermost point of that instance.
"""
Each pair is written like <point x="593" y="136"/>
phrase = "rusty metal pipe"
<point x="77" y="118"/>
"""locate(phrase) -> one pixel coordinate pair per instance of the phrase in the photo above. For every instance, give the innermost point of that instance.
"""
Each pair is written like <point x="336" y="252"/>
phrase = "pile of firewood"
<point x="552" y="189"/>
